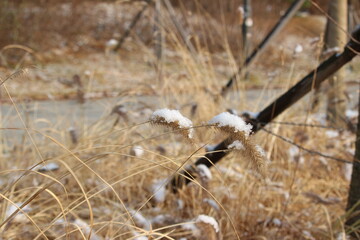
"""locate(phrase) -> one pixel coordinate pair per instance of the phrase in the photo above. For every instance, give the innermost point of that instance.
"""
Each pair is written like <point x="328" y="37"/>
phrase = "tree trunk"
<point x="246" y="28"/>
<point x="354" y="192"/>
<point x="335" y="37"/>
<point x="246" y="33"/>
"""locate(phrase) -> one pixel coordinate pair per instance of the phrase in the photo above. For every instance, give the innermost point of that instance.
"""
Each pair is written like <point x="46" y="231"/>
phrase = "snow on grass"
<point x="208" y="220"/>
<point x="19" y="217"/>
<point x="277" y="222"/>
<point x="332" y="134"/>
<point x="227" y="119"/>
<point x="260" y="150"/>
<point x="204" y="171"/>
<point x="138" y="236"/>
<point x="180" y="204"/>
<point x="212" y="203"/>
<point x="236" y="145"/>
<point x="298" y="48"/>
<point x="172" y="118"/>
<point x="140" y="219"/>
<point x="351" y="113"/>
<point x="210" y="148"/>
<point x="159" y="190"/>
<point x="230" y="172"/>
<point x="49" y="167"/>
<point x="86" y="229"/>
<point x="112" y="43"/>
<point x="137" y="151"/>
<point x="294" y="154"/>
<point x="347" y="170"/>
<point x="191" y="227"/>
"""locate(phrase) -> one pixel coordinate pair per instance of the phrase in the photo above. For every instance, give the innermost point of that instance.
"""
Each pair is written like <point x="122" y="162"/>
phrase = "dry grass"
<point x="105" y="189"/>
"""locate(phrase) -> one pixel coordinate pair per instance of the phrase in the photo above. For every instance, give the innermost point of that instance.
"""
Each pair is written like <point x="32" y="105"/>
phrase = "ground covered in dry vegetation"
<point x="107" y="178"/>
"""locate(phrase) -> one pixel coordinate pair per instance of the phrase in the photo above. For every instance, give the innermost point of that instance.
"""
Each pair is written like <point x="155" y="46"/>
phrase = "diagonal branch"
<point x="264" y="43"/>
<point x="304" y="86"/>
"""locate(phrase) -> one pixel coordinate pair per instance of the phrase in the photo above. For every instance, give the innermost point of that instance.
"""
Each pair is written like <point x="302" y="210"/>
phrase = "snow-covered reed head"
<point x="251" y="151"/>
<point x="232" y="124"/>
<point x="208" y="227"/>
<point x="239" y="138"/>
<point x="173" y="119"/>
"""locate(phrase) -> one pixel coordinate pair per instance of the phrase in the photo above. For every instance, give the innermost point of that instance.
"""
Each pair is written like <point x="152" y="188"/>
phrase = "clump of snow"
<point x="332" y="134"/>
<point x="137" y="236"/>
<point x="180" y="204"/>
<point x="298" y="48"/>
<point x="227" y="119"/>
<point x="208" y="220"/>
<point x="140" y="219"/>
<point x="260" y="150"/>
<point x="112" y="43"/>
<point x="159" y="190"/>
<point x="307" y="234"/>
<point x="86" y="229"/>
<point x="249" y="22"/>
<point x="351" y="113"/>
<point x="137" y="151"/>
<point x="295" y="156"/>
<point x="276" y="222"/>
<point x="204" y="171"/>
<point x="236" y="145"/>
<point x="230" y="172"/>
<point x="210" y="148"/>
<point x="330" y="51"/>
<point x="212" y="203"/>
<point x="160" y="219"/>
<point x="49" y="167"/>
<point x="347" y="169"/>
<point x="172" y="116"/>
<point x="191" y="226"/>
<point x="342" y="236"/>
<point x="19" y="217"/>
<point x="87" y="73"/>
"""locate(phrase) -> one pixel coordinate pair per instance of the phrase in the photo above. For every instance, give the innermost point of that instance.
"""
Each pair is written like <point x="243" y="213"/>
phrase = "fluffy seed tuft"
<point x="173" y="119"/>
<point x="231" y="124"/>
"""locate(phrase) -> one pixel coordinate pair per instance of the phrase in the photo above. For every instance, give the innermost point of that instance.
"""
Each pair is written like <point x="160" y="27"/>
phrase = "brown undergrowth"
<point x="70" y="178"/>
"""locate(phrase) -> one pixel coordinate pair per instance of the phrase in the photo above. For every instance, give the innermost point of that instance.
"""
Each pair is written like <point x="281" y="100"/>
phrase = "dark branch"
<point x="313" y="79"/>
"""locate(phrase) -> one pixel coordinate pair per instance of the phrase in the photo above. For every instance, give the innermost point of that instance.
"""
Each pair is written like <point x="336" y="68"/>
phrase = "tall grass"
<point x="104" y="189"/>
